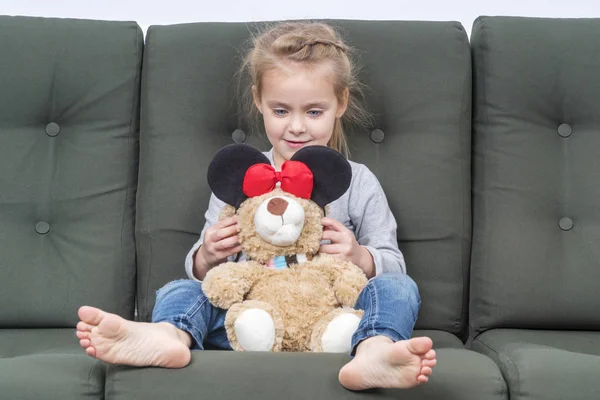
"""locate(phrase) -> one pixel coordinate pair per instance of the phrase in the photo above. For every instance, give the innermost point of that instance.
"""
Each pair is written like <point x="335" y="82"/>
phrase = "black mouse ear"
<point x="332" y="173"/>
<point x="227" y="170"/>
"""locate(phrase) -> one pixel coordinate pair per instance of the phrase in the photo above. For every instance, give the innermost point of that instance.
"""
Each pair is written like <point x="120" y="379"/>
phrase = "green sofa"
<point x="486" y="150"/>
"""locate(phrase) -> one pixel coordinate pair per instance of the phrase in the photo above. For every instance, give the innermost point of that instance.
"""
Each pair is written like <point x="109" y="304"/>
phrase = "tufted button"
<point x="377" y="136"/>
<point x="42" y="227"/>
<point x="52" y="129"/>
<point x="564" y="130"/>
<point x="566" y="224"/>
<point x="238" y="136"/>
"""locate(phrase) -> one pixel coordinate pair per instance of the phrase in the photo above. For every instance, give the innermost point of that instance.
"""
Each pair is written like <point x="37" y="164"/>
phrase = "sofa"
<point x="486" y="148"/>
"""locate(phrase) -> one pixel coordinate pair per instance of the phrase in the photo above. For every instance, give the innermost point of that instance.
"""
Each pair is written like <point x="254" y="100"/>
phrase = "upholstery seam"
<point x="108" y="383"/>
<point x="130" y="186"/>
<point x="145" y="231"/>
<point x="465" y="275"/>
<point x="509" y="386"/>
<point x="89" y="378"/>
<point x="481" y="167"/>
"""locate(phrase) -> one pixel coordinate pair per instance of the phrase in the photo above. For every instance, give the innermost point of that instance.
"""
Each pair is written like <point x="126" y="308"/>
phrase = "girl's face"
<point x="299" y="107"/>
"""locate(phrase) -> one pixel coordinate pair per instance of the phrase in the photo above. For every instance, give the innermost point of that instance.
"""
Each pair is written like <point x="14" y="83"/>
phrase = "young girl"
<point x="302" y="85"/>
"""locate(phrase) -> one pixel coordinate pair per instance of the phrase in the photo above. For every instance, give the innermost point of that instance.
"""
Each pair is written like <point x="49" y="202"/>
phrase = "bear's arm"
<point x="347" y="279"/>
<point x="229" y="282"/>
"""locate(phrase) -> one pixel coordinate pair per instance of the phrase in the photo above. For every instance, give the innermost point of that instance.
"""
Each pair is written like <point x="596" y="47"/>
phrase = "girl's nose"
<point x="297" y="125"/>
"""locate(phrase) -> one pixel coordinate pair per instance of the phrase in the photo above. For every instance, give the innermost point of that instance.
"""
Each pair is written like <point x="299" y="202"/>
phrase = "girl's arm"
<point x="211" y="217"/>
<point x="372" y="244"/>
<point x="374" y="224"/>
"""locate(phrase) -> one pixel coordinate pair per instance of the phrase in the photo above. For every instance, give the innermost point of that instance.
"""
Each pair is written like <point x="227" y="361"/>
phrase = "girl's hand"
<point x="220" y="241"/>
<point x="345" y="247"/>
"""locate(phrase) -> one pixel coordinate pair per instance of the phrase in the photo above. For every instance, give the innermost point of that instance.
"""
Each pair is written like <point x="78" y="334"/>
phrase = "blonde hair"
<point x="311" y="43"/>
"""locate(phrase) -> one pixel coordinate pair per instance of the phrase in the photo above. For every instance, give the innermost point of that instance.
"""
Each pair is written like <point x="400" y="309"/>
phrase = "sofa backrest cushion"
<point x="69" y="126"/>
<point x="536" y="260"/>
<point x="419" y="89"/>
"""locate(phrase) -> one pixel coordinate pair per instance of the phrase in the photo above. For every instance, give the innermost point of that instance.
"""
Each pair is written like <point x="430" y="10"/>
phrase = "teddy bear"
<point x="285" y="296"/>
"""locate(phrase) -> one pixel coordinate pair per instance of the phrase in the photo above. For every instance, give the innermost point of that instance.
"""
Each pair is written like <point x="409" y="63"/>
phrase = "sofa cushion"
<point x="47" y="363"/>
<point x="27" y="342"/>
<point x="419" y="80"/>
<point x="441" y="339"/>
<point x="545" y="364"/>
<point x="56" y="376"/>
<point x="535" y="259"/>
<point x="68" y="155"/>
<point x="460" y="374"/>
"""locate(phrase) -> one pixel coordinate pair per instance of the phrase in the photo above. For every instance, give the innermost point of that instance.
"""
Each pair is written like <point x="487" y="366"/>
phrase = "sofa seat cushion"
<point x="460" y="374"/>
<point x="441" y="339"/>
<point x="47" y="363"/>
<point x="24" y="342"/>
<point x="545" y="364"/>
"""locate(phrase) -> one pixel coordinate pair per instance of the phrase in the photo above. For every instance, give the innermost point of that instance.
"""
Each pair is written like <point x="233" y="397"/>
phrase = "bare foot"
<point x="112" y="339"/>
<point x="381" y="363"/>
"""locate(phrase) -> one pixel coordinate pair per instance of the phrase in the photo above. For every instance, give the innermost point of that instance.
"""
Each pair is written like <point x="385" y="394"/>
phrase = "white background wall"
<point x="151" y="12"/>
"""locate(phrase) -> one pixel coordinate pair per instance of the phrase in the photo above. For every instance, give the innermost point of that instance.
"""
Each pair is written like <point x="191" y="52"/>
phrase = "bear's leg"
<point x="333" y="333"/>
<point x="254" y="326"/>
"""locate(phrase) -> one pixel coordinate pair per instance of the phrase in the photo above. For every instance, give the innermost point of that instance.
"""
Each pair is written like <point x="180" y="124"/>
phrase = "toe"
<point x="422" y="379"/>
<point x="90" y="351"/>
<point x="429" y="363"/>
<point x="430" y="355"/>
<point x="419" y="345"/>
<point x="83" y="335"/>
<point x="82" y="326"/>
<point x="426" y="371"/>
<point x="85" y="343"/>
<point x="90" y="315"/>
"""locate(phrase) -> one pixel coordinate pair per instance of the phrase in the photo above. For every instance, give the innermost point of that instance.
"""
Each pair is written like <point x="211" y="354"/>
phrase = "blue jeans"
<point x="391" y="303"/>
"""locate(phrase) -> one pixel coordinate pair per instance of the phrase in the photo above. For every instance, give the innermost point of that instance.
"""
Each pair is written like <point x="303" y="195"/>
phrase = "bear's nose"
<point x="277" y="206"/>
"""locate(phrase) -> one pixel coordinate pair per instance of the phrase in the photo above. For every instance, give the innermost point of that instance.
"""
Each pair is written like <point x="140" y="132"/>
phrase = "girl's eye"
<point x="280" y="112"/>
<point x="315" y="113"/>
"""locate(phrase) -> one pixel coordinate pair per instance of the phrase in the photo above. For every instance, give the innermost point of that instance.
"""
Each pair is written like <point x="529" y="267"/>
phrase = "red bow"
<point x="295" y="177"/>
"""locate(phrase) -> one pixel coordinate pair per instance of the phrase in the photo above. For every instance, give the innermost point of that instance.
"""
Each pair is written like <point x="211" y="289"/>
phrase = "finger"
<point x="224" y="233"/>
<point x="226" y="222"/>
<point x="208" y="235"/>
<point x="333" y="224"/>
<point x="232" y="250"/>
<point x="333" y="236"/>
<point x="333" y="249"/>
<point x="227" y="243"/>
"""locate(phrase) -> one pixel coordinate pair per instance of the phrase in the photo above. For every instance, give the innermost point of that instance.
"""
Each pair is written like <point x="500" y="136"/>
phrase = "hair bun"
<point x="325" y="42"/>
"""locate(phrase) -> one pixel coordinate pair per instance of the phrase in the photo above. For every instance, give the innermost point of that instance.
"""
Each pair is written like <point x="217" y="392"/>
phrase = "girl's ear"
<point x="343" y="103"/>
<point x="332" y="173"/>
<point x="256" y="98"/>
<point x="227" y="170"/>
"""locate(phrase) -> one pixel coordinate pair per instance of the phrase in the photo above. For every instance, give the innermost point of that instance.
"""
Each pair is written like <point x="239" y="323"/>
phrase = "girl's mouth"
<point x="294" y="144"/>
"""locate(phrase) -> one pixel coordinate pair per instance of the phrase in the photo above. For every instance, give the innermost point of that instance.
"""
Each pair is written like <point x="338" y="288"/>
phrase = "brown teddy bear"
<point x="286" y="297"/>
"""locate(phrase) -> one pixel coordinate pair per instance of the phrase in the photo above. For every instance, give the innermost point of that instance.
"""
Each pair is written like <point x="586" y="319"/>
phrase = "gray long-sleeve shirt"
<point x="363" y="209"/>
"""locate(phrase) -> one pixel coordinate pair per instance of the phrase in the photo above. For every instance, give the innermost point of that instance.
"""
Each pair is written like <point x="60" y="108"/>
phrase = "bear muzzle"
<point x="279" y="220"/>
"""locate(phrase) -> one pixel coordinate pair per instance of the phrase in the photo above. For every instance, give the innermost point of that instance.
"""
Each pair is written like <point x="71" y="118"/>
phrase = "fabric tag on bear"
<point x="283" y="262"/>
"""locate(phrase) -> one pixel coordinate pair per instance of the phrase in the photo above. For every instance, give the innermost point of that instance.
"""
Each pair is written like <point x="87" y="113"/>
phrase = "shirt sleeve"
<point x="374" y="224"/>
<point x="212" y="217"/>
